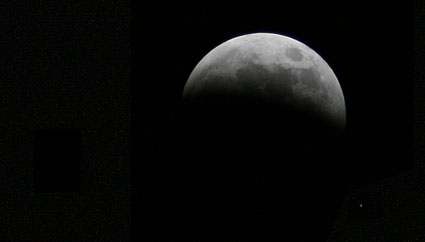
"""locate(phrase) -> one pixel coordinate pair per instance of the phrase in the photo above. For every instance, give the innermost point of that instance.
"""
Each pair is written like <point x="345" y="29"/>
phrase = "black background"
<point x="192" y="196"/>
<point x="57" y="160"/>
<point x="67" y="65"/>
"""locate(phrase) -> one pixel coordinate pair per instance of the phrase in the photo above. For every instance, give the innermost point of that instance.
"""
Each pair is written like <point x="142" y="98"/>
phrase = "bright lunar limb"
<point x="274" y="68"/>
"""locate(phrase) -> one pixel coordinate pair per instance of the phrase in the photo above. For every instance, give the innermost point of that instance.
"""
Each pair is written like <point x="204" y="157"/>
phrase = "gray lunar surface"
<point x="274" y="68"/>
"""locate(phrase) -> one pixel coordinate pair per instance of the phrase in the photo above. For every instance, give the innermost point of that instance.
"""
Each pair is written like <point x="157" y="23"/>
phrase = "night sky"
<point x="197" y="192"/>
<point x="97" y="86"/>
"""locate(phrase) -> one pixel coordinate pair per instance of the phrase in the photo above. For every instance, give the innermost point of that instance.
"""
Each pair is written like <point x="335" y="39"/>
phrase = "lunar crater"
<point x="294" y="54"/>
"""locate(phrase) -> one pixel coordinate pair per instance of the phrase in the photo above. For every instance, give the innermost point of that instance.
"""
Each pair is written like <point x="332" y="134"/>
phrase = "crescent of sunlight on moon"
<point x="271" y="67"/>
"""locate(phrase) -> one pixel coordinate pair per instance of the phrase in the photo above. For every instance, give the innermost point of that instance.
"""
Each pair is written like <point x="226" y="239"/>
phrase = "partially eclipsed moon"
<point x="274" y="68"/>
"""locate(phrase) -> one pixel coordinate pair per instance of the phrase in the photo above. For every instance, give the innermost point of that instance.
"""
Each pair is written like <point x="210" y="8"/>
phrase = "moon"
<point x="273" y="68"/>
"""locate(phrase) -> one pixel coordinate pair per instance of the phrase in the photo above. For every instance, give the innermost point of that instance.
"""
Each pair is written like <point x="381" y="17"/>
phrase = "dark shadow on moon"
<point x="248" y="153"/>
<point x="260" y="126"/>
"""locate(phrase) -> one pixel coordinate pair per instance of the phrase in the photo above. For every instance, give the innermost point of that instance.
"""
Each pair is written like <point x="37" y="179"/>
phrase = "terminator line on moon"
<point x="271" y="67"/>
